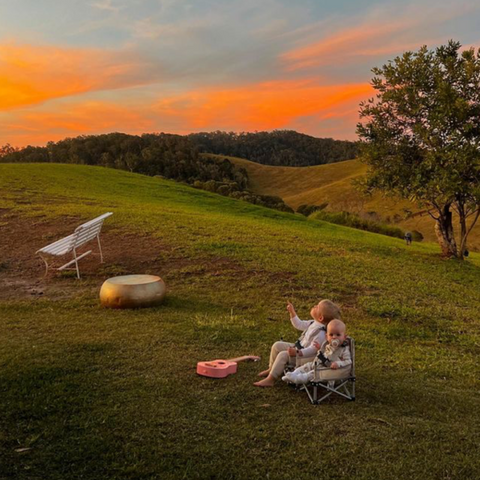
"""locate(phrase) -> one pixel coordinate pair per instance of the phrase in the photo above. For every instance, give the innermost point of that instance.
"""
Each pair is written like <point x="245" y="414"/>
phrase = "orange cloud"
<point x="33" y="74"/>
<point x="263" y="106"/>
<point x="38" y="128"/>
<point x="268" y="105"/>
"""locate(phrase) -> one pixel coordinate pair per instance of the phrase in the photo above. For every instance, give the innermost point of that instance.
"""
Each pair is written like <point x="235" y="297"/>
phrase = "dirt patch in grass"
<point x="22" y="272"/>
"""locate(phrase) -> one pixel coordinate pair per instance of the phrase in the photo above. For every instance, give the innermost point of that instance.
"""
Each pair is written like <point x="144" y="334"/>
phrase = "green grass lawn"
<point x="104" y="394"/>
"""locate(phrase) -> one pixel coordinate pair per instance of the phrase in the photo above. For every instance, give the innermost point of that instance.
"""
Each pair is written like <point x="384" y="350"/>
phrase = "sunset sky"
<point x="73" y="67"/>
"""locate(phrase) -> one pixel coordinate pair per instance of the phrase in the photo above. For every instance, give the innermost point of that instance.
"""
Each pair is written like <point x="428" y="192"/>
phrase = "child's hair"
<point x="337" y="323"/>
<point x="329" y="310"/>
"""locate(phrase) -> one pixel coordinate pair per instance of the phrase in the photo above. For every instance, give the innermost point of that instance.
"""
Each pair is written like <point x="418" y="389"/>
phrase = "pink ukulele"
<point x="222" y="368"/>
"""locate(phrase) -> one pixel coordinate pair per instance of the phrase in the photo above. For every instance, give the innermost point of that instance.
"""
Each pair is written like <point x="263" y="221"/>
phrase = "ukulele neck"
<point x="245" y="358"/>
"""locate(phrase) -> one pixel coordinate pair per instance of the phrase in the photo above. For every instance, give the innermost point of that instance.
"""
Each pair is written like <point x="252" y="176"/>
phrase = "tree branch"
<point x="473" y="223"/>
<point x="432" y="215"/>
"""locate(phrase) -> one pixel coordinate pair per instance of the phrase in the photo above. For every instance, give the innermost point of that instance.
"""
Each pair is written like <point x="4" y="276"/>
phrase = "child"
<point x="334" y="358"/>
<point x="303" y="351"/>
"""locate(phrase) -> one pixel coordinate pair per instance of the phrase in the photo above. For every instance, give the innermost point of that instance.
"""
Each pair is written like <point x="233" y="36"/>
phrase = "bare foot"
<point x="264" y="373"/>
<point x="266" y="382"/>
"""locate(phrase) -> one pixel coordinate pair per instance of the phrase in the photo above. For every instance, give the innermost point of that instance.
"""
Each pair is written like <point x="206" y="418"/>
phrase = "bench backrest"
<point x="88" y="231"/>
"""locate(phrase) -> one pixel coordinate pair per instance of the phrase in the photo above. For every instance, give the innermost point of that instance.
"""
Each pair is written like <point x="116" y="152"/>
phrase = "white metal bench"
<point x="82" y="235"/>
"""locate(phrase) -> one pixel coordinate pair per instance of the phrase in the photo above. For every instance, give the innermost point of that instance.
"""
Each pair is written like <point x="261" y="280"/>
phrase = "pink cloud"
<point x="380" y="33"/>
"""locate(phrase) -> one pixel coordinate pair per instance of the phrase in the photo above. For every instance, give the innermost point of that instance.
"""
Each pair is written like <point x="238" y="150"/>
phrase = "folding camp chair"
<point x="343" y="386"/>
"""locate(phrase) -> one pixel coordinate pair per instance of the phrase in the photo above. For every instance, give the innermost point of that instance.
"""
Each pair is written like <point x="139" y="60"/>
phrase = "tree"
<point x="420" y="136"/>
<point x="7" y="149"/>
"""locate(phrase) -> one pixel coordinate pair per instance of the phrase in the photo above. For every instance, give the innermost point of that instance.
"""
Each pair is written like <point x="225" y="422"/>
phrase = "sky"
<point x="80" y="67"/>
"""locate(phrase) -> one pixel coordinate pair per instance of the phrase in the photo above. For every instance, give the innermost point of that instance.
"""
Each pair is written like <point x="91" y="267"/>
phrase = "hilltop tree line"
<point x="171" y="156"/>
<point x="280" y="147"/>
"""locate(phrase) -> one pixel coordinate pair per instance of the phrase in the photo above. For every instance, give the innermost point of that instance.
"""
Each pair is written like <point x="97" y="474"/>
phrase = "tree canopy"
<point x="171" y="156"/>
<point x="280" y="147"/>
<point x="420" y="136"/>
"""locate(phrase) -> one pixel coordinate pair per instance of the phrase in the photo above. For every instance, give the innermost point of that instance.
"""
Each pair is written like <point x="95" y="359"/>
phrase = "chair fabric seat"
<point x="323" y="374"/>
<point x="340" y="382"/>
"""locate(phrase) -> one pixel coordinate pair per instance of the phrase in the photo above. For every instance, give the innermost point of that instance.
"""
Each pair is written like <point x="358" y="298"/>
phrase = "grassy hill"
<point x="333" y="184"/>
<point x="93" y="393"/>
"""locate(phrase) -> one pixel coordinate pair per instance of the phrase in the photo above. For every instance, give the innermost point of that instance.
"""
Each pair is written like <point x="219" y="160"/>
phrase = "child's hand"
<point x="292" y="351"/>
<point x="334" y="366"/>
<point x="291" y="309"/>
<point x="316" y="345"/>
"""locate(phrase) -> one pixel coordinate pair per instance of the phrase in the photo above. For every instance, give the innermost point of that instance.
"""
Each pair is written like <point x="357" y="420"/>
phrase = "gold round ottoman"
<point x="132" y="291"/>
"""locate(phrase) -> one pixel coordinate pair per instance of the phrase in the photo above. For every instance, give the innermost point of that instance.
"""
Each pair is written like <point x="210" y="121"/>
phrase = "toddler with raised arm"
<point x="332" y="362"/>
<point x="306" y="347"/>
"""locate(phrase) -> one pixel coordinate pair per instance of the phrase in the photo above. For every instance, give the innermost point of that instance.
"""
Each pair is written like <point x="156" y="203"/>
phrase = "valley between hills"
<point x="334" y="184"/>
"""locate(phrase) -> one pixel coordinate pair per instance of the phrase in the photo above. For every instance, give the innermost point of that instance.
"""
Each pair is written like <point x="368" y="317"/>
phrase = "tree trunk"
<point x="463" y="234"/>
<point x="444" y="232"/>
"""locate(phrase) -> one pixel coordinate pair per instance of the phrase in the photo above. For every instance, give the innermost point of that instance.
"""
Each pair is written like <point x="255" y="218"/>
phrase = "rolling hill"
<point x="88" y="392"/>
<point x="333" y="184"/>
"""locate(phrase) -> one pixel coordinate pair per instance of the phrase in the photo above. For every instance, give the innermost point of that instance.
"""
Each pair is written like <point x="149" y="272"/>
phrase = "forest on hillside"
<point x="132" y="152"/>
<point x="171" y="156"/>
<point x="178" y="157"/>
<point x="280" y="147"/>
<point x="167" y="155"/>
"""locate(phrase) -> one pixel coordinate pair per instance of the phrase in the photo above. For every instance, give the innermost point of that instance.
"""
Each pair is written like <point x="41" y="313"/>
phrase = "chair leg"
<point x="342" y="390"/>
<point x="324" y="397"/>
<point x="311" y="397"/>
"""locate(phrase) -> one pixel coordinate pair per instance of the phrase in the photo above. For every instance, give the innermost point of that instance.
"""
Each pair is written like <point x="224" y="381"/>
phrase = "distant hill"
<point x="333" y="184"/>
<point x="178" y="157"/>
<point x="280" y="147"/>
<point x="175" y="156"/>
<point x="171" y="156"/>
<point x="304" y="185"/>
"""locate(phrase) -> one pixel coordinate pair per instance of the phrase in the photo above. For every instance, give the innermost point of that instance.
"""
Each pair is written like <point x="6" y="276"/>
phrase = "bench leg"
<point x="100" y="249"/>
<point x="76" y="263"/>
<point x="46" y="264"/>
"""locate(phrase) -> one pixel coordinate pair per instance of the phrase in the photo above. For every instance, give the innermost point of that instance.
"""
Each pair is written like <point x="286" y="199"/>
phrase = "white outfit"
<point x="315" y="370"/>
<point x="313" y="331"/>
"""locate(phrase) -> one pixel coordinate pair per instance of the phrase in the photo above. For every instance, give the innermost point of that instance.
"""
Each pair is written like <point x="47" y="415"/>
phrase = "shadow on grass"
<point x="58" y="414"/>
